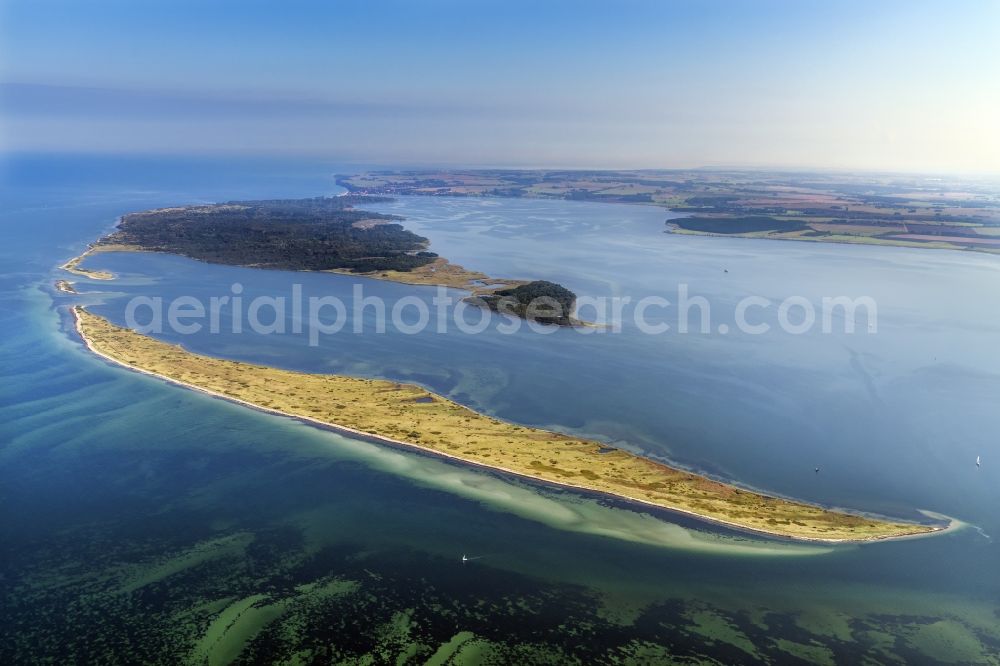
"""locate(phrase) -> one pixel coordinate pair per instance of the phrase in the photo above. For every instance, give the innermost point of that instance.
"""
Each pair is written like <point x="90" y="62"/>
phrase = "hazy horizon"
<point x="899" y="87"/>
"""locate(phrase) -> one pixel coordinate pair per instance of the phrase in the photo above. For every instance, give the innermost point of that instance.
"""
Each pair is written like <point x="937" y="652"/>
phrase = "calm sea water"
<point x="144" y="522"/>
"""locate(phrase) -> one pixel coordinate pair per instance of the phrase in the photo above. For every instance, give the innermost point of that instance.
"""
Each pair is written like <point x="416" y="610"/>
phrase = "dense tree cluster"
<point x="738" y="225"/>
<point x="542" y="301"/>
<point x="303" y="234"/>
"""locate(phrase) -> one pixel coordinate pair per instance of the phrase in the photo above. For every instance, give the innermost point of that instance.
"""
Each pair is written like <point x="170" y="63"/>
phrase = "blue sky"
<point x="867" y="85"/>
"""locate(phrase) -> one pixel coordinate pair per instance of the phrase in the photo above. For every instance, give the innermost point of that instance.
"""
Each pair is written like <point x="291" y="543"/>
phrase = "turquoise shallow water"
<point x="144" y="522"/>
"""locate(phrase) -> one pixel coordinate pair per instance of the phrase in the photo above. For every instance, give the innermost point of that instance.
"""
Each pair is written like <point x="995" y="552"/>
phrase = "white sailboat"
<point x="977" y="461"/>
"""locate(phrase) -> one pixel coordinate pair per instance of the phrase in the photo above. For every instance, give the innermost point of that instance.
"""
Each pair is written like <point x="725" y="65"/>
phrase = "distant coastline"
<point x="801" y="206"/>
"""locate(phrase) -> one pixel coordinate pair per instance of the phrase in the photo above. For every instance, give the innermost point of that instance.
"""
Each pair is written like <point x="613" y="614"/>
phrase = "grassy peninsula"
<point x="441" y="272"/>
<point x="407" y="415"/>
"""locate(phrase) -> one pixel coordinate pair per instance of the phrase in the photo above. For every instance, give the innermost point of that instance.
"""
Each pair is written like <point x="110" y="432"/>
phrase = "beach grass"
<point x="443" y="273"/>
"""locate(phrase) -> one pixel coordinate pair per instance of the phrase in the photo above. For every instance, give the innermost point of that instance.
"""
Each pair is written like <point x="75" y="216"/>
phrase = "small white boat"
<point x="977" y="461"/>
<point x="465" y="558"/>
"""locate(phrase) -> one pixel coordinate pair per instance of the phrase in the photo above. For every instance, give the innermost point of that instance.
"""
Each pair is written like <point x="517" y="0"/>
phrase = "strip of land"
<point x="443" y="273"/>
<point x="73" y="266"/>
<point x="410" y="416"/>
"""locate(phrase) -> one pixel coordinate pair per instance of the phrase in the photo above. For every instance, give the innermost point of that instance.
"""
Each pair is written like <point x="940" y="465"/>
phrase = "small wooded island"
<point x="407" y="415"/>
<point x="542" y="301"/>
